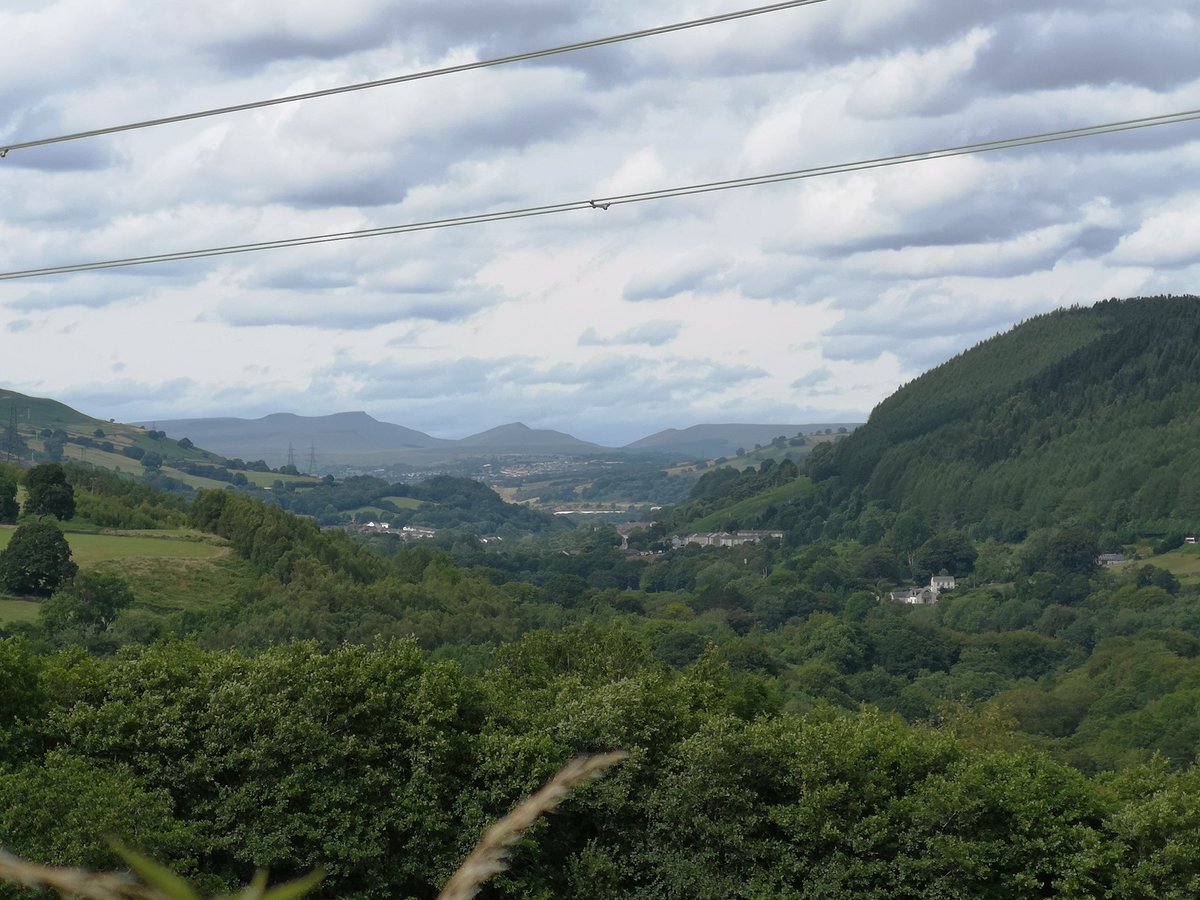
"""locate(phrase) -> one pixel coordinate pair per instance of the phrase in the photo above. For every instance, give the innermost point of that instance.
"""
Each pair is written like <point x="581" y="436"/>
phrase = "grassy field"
<point x="259" y="479"/>
<point x="405" y="502"/>
<point x="196" y="482"/>
<point x="115" y="462"/>
<point x="179" y="543"/>
<point x="90" y="549"/>
<point x="173" y="585"/>
<point x="17" y="611"/>
<point x="1182" y="562"/>
<point x="168" y="571"/>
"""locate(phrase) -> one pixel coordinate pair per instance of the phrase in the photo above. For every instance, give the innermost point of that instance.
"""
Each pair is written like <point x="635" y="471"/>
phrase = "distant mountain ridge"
<point x="341" y="434"/>
<point x="347" y="437"/>
<point x="519" y="436"/>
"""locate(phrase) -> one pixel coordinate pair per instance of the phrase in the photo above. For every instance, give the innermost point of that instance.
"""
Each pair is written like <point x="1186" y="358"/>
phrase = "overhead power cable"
<point x="605" y="203"/>
<point x="417" y="76"/>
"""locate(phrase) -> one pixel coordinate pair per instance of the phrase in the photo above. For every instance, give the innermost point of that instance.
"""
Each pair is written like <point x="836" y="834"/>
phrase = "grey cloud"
<point x="347" y="315"/>
<point x="1131" y="46"/>
<point x="606" y="370"/>
<point x="494" y="29"/>
<point x="923" y="329"/>
<point x="1096" y="242"/>
<point x="566" y="389"/>
<point x="651" y="334"/>
<point x="916" y="354"/>
<point x="432" y="28"/>
<point x="671" y="280"/>
<point x="16" y="326"/>
<point x="307" y="280"/>
<point x="779" y="276"/>
<point x="126" y="394"/>
<point x="505" y="121"/>
<point x="251" y="52"/>
<point x="78" y="156"/>
<point x="40" y="121"/>
<point x="361" y="189"/>
<point x="91" y="294"/>
<point x="257" y="397"/>
<point x="923" y="316"/>
<point x="813" y="379"/>
<point x="392" y="380"/>
<point x="351" y="310"/>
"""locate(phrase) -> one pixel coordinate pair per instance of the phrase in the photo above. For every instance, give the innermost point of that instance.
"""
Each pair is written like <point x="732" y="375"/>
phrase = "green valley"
<point x="954" y="652"/>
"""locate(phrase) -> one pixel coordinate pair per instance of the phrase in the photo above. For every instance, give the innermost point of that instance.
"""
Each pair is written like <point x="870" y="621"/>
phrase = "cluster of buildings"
<point x="725" y="538"/>
<point x="923" y="596"/>
<point x="405" y="532"/>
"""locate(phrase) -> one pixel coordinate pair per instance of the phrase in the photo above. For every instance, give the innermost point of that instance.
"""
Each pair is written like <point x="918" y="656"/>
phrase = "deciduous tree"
<point x="36" y="561"/>
<point x="47" y="492"/>
<point x="8" y="500"/>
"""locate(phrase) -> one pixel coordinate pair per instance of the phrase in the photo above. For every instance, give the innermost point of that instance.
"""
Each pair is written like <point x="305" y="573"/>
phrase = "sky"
<point x="805" y="301"/>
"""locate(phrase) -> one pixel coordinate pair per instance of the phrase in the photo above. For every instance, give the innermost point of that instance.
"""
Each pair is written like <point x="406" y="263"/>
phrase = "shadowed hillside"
<point x="1084" y="414"/>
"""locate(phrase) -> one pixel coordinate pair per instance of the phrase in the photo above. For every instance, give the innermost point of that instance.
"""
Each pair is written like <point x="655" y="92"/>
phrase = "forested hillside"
<point x="443" y="501"/>
<point x="1085" y="414"/>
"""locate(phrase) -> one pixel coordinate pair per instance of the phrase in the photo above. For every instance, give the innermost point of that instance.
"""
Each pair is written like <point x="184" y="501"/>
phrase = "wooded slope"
<point x="1084" y="414"/>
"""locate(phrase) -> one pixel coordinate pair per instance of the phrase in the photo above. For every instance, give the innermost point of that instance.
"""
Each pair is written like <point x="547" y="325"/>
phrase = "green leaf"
<point x="294" y="889"/>
<point x="154" y="874"/>
<point x="254" y="890"/>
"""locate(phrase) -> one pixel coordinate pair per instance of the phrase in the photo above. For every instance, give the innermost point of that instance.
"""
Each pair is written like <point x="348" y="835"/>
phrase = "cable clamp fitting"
<point x="596" y="205"/>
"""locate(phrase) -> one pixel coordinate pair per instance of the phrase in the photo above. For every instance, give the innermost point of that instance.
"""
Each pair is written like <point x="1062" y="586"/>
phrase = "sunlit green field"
<point x="176" y="543"/>
<point x="167" y="570"/>
<point x="198" y="482"/>
<point x="260" y="479"/>
<point x="170" y="585"/>
<point x="89" y="549"/>
<point x="404" y="502"/>
<point x="1183" y="562"/>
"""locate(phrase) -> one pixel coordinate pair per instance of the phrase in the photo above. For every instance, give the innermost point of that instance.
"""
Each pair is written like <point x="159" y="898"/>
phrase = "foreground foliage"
<point x="381" y="768"/>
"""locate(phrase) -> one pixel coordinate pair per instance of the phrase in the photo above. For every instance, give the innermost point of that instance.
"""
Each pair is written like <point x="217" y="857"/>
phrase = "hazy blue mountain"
<point x="518" y="437"/>
<point x="342" y="435"/>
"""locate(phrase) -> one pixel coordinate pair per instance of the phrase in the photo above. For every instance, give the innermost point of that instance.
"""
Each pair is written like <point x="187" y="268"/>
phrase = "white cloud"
<point x="912" y="82"/>
<point x="776" y="302"/>
<point x="1169" y="237"/>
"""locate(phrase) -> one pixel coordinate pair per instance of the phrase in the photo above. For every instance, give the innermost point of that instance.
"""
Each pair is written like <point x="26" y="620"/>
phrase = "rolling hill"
<point x="30" y="424"/>
<point x="341" y="436"/>
<point x="519" y="437"/>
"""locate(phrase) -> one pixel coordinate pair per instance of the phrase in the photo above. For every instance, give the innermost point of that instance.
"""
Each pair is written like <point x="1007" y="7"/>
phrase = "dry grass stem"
<point x="490" y="855"/>
<point x="73" y="882"/>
